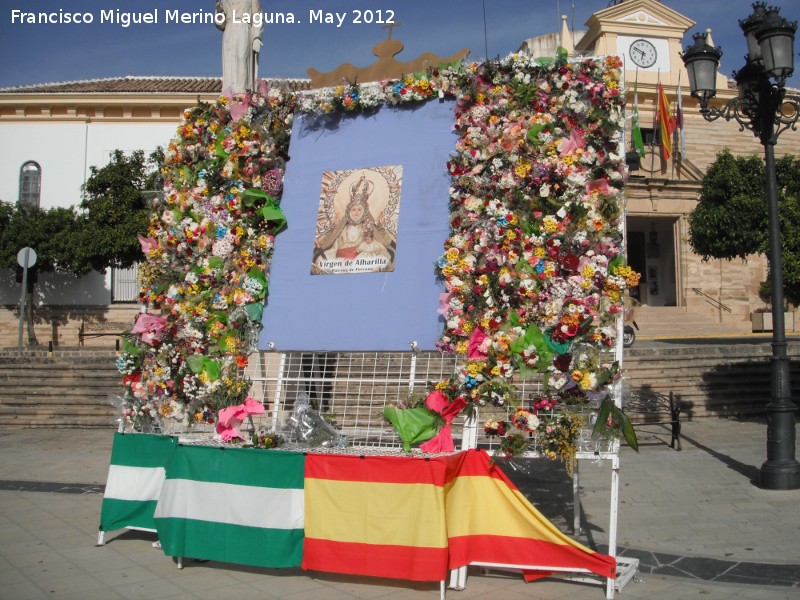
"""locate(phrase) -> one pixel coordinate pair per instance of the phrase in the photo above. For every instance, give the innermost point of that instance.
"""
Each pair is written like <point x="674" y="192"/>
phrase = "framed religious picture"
<point x="357" y="220"/>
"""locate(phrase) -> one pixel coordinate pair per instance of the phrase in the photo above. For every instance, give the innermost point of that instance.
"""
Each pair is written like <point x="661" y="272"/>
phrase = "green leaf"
<point x="219" y="149"/>
<point x="254" y="311"/>
<point x="202" y="364"/>
<point x="251" y="195"/>
<point x="535" y="130"/>
<point x="216" y="262"/>
<point x="412" y="424"/>
<point x="130" y="348"/>
<point x="273" y="215"/>
<point x="559" y="347"/>
<point x="602" y="417"/>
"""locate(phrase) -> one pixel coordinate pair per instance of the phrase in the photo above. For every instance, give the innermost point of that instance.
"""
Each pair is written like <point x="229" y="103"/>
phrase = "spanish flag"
<point x="416" y="519"/>
<point x="666" y="123"/>
<point x="490" y="521"/>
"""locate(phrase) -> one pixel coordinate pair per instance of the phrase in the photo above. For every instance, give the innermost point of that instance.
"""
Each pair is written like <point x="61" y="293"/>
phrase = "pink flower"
<point x="151" y="327"/>
<point x="444" y="301"/>
<point x="478" y="346"/>
<point x="574" y="142"/>
<point x="147" y="244"/>
<point x="600" y="185"/>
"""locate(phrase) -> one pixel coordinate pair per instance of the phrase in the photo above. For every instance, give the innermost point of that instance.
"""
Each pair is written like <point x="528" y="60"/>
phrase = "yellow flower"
<point x="549" y="224"/>
<point x="461" y="347"/>
<point x="451" y="255"/>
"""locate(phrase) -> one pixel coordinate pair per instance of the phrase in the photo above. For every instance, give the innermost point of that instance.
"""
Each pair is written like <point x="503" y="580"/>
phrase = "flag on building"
<point x="235" y="505"/>
<point x="135" y="477"/>
<point x="636" y="130"/>
<point x="679" y="121"/>
<point x="666" y="123"/>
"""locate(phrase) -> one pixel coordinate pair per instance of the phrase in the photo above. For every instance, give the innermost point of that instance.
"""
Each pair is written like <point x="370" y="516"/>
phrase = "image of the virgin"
<point x="343" y="240"/>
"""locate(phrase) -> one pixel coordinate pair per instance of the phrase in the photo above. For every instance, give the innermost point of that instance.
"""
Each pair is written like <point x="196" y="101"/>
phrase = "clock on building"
<point x="642" y="53"/>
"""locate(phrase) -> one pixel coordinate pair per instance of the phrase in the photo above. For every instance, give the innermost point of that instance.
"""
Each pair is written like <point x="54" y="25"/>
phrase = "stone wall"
<point x="61" y="324"/>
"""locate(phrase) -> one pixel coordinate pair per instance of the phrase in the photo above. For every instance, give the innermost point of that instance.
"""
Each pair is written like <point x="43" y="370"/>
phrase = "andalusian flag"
<point x="666" y="123"/>
<point x="238" y="505"/>
<point x="417" y="519"/>
<point x="636" y="130"/>
<point x="135" y="476"/>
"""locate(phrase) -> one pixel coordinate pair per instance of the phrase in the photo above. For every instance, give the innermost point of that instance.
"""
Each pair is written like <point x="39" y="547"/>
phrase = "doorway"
<point x="651" y="252"/>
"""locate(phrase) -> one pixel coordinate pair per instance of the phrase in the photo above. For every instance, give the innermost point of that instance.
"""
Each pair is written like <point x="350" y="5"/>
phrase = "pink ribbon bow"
<point x="232" y="416"/>
<point x="438" y="402"/>
<point x="151" y="327"/>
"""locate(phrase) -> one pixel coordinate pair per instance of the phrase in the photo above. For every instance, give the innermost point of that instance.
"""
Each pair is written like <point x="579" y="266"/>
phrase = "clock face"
<point x="642" y="53"/>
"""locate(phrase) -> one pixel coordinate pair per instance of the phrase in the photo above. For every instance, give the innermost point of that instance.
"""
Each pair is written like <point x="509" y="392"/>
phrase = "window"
<point x="30" y="183"/>
<point x="651" y="137"/>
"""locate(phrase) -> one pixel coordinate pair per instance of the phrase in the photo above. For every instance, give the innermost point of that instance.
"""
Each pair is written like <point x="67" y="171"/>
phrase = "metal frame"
<point x="367" y="381"/>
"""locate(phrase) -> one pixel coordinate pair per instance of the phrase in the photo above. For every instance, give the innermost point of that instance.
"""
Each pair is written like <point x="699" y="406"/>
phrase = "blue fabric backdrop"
<point x="363" y="311"/>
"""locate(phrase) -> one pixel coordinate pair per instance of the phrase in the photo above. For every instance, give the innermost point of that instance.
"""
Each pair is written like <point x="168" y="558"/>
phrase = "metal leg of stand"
<point x="458" y="578"/>
<point x="612" y="525"/>
<point x="576" y="499"/>
<point x="180" y="562"/>
<point x="101" y="538"/>
<point x="442" y="589"/>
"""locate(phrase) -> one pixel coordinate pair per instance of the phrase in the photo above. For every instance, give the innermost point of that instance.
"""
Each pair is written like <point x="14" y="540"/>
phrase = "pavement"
<point x="694" y="518"/>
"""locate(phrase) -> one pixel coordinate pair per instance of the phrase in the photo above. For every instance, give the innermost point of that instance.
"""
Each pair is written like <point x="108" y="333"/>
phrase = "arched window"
<point x="30" y="183"/>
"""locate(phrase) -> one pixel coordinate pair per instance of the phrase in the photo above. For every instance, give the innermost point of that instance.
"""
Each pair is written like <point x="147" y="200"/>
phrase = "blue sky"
<point x="65" y="52"/>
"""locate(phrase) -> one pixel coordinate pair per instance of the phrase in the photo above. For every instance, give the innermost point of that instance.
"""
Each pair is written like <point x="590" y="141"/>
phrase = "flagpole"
<point x="675" y="135"/>
<point x="655" y="125"/>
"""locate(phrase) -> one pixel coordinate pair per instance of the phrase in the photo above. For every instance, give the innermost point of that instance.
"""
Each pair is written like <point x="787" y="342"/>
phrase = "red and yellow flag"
<point x="416" y="519"/>
<point x="666" y="123"/>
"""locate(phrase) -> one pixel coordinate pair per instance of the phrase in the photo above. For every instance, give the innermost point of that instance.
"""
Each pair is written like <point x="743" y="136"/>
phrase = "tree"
<point x="730" y="220"/>
<point x="49" y="232"/>
<point x="114" y="212"/>
<point x="102" y="233"/>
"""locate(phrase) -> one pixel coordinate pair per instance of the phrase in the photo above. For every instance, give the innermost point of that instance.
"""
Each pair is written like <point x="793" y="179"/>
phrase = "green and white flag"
<point x="236" y="505"/>
<point x="135" y="476"/>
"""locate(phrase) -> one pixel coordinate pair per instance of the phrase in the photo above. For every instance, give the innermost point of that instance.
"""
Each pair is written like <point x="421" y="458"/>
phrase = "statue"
<point x="241" y="43"/>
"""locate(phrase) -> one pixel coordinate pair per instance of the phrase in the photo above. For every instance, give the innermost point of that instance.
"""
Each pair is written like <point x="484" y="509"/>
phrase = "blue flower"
<point x="221" y="231"/>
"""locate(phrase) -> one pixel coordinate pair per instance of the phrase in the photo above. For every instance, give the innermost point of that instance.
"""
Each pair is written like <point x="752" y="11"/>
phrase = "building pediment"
<point x="641" y="17"/>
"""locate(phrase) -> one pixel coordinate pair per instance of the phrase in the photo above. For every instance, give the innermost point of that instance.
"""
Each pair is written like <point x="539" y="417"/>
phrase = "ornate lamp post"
<point x="763" y="107"/>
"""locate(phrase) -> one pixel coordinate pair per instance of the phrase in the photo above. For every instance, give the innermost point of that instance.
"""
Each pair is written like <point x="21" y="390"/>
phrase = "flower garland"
<point x="208" y="245"/>
<point x="533" y="270"/>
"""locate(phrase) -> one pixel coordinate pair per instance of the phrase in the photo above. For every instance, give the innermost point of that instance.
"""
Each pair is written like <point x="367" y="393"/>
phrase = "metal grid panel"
<point x="351" y="389"/>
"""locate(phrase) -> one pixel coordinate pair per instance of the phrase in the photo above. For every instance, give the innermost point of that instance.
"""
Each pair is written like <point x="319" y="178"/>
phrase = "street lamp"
<point x="764" y="107"/>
